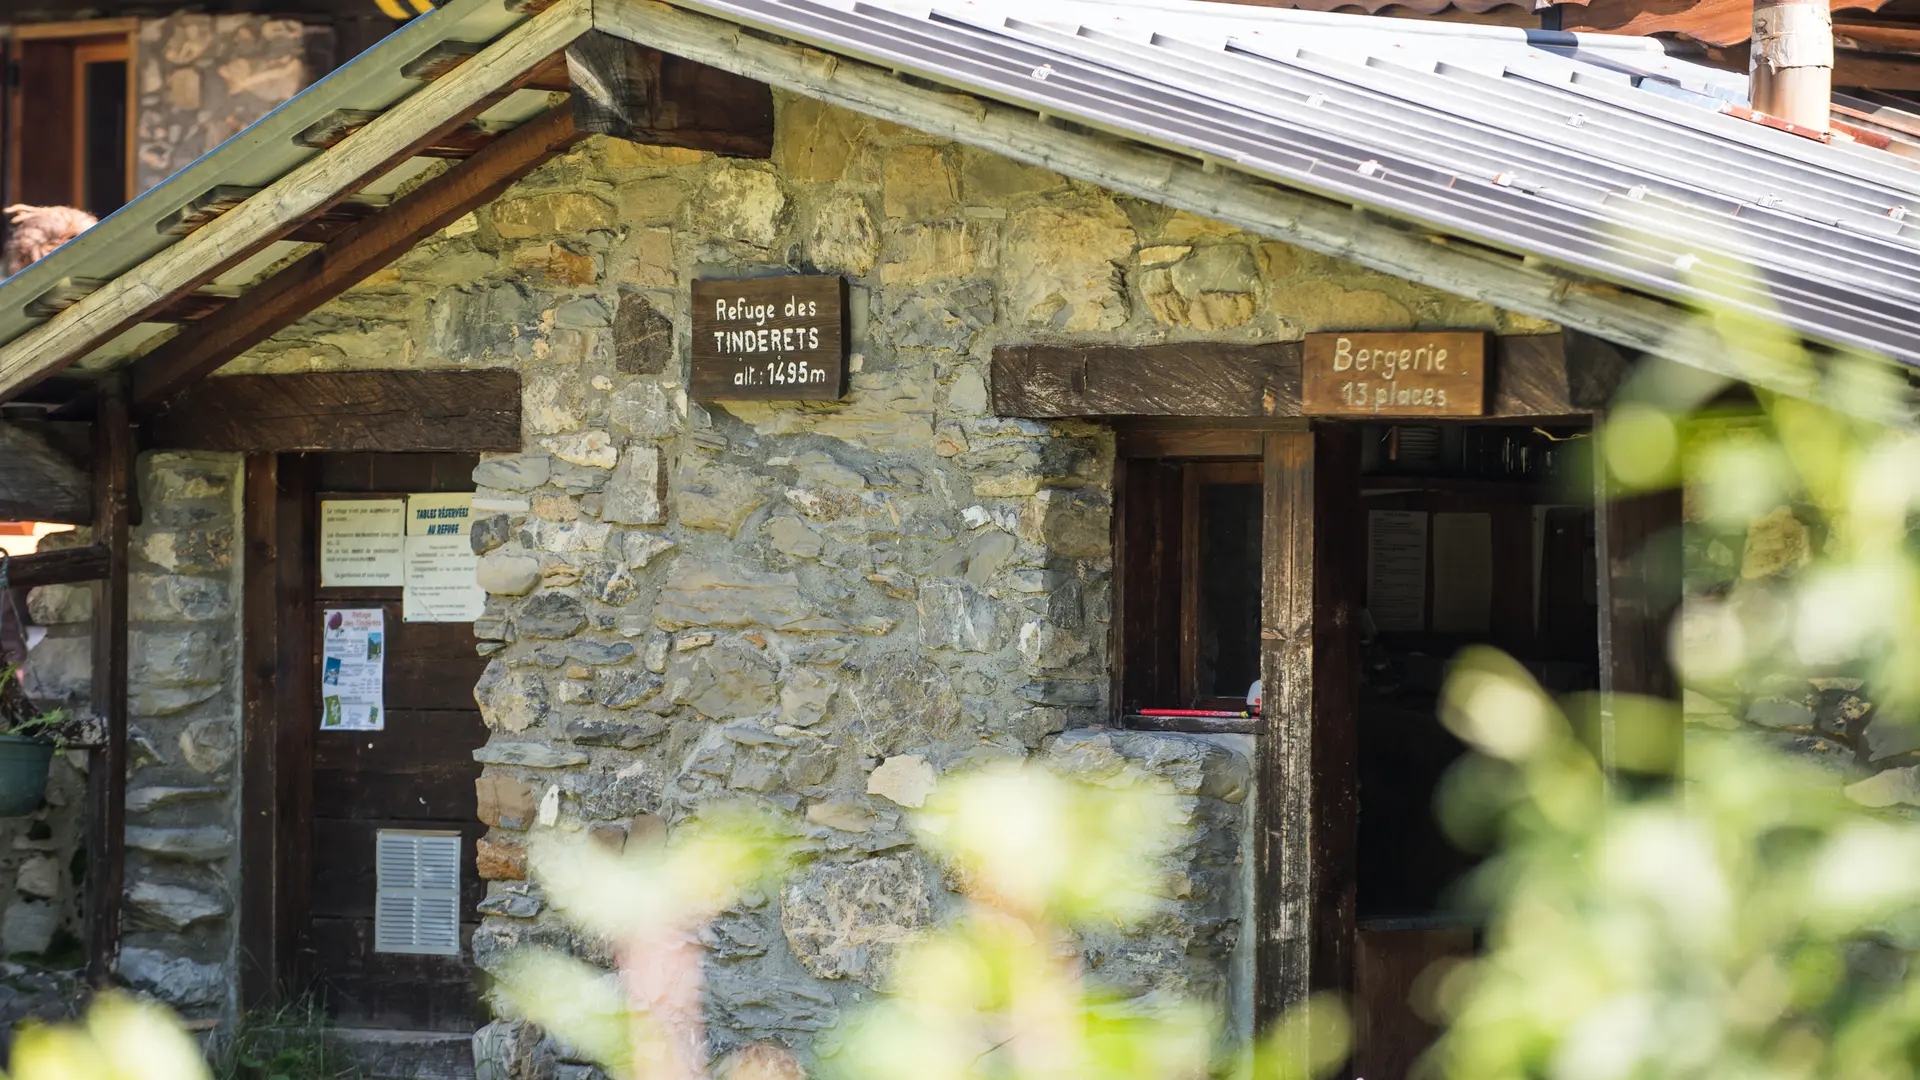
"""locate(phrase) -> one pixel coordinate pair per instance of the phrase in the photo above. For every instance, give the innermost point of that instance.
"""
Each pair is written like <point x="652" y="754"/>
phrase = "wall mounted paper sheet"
<point x="353" y="669"/>
<point x="362" y="543"/>
<point x="440" y="564"/>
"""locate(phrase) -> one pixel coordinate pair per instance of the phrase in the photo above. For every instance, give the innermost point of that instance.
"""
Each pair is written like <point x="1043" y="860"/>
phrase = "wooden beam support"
<point x="641" y="94"/>
<point x="68" y="566"/>
<point x="276" y="669"/>
<point x="187" y="307"/>
<point x="316" y="230"/>
<point x="1533" y="376"/>
<point x="107" y="778"/>
<point x="441" y="58"/>
<point x="458" y="141"/>
<point x="39" y="481"/>
<point x="386" y="411"/>
<point x="304" y="191"/>
<point x="1306" y="762"/>
<point x="324" y="274"/>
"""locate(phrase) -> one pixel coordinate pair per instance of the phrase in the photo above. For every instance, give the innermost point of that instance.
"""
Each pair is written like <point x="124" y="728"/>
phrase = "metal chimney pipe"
<point x="1791" y="65"/>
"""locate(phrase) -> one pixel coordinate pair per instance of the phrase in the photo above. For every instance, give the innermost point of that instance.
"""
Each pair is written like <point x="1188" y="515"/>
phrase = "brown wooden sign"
<point x="1410" y="374"/>
<point x="770" y="339"/>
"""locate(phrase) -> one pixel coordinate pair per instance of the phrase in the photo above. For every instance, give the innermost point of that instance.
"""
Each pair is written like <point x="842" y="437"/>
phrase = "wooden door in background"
<point x="416" y="774"/>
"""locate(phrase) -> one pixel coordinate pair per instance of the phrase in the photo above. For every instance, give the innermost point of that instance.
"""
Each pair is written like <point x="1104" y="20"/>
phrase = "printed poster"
<point x="361" y="543"/>
<point x="440" y="564"/>
<point x="353" y="668"/>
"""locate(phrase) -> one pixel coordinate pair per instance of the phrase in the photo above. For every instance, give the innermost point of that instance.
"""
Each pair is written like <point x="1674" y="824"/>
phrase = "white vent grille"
<point x="416" y="907"/>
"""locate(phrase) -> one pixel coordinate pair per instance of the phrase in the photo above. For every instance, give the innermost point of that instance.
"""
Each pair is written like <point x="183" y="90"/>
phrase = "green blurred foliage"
<point x="119" y="1039"/>
<point x="1743" y="919"/>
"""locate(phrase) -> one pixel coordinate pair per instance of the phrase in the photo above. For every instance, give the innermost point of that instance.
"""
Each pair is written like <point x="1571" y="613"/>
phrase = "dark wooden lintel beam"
<point x="364" y="248"/>
<point x="69" y="566"/>
<point x="344" y="411"/>
<point x="1533" y="376"/>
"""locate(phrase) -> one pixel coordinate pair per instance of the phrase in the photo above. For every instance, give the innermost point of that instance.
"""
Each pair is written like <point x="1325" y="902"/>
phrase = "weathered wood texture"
<point x="1304" y="832"/>
<point x="65" y="567"/>
<point x="345" y="411"/>
<point x="1188" y="379"/>
<point x="107" y="778"/>
<point x="363" y="248"/>
<point x="277" y="680"/>
<point x="637" y="93"/>
<point x="1532" y="376"/>
<point x="298" y="195"/>
<point x="39" y="481"/>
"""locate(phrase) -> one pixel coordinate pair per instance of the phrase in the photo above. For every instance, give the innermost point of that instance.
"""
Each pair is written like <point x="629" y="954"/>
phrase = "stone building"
<point x="1070" y="468"/>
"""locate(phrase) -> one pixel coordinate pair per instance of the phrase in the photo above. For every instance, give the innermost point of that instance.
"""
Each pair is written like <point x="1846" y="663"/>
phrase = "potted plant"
<point x="28" y="738"/>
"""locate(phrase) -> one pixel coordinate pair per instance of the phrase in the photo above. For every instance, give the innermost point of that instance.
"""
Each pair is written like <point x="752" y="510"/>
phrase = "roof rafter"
<point x="303" y="192"/>
<point x="322" y="275"/>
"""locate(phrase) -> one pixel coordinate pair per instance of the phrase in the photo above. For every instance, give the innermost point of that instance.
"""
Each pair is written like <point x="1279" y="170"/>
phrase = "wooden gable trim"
<point x="304" y="191"/>
<point x="344" y="411"/>
<point x="1533" y="376"/>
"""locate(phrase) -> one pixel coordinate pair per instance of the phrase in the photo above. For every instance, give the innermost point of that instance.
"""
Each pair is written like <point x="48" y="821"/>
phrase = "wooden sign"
<point x="770" y="339"/>
<point x="1410" y="374"/>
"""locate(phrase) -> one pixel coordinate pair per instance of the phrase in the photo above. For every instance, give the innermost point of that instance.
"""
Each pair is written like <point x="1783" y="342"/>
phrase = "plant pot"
<point x="23" y="774"/>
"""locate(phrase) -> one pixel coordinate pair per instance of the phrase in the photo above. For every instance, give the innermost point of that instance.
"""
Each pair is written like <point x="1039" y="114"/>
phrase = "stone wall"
<point x="183" y="794"/>
<point x="204" y="77"/>
<point x="820" y="607"/>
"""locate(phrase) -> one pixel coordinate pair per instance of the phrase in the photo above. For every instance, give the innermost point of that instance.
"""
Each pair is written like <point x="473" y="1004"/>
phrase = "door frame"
<point x="277" y="681"/>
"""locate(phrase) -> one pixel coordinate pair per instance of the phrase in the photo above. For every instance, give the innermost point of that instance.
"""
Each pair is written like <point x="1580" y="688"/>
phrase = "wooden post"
<point x="1307" y="772"/>
<point x="1638" y="563"/>
<point x="276" y="673"/>
<point x="107" y="779"/>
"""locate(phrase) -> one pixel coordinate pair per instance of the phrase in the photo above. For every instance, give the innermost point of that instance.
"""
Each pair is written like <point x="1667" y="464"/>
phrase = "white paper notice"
<point x="1397" y="569"/>
<point x="441" y="566"/>
<point x="440" y="513"/>
<point x="353" y="667"/>
<point x="361" y="543"/>
<point x="1462" y="573"/>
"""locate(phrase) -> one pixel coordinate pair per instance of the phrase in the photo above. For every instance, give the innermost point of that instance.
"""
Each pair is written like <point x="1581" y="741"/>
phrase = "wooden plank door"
<point x="416" y="774"/>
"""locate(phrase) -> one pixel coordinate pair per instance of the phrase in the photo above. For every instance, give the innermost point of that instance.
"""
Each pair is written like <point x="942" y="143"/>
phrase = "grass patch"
<point x="287" y="1043"/>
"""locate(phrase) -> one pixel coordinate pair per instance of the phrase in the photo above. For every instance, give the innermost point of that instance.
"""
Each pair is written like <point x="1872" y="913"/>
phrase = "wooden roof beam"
<point x="644" y="95"/>
<point x="362" y="249"/>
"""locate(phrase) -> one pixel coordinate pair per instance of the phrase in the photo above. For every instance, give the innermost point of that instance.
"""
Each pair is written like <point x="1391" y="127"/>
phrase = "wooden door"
<point x="416" y="774"/>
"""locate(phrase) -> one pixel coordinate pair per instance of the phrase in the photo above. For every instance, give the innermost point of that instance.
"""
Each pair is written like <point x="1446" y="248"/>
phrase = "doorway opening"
<point x="1475" y="534"/>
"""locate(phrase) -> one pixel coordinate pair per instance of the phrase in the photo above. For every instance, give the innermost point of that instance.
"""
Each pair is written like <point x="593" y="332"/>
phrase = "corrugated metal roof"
<point x="1604" y="155"/>
<point x="1601" y="156"/>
